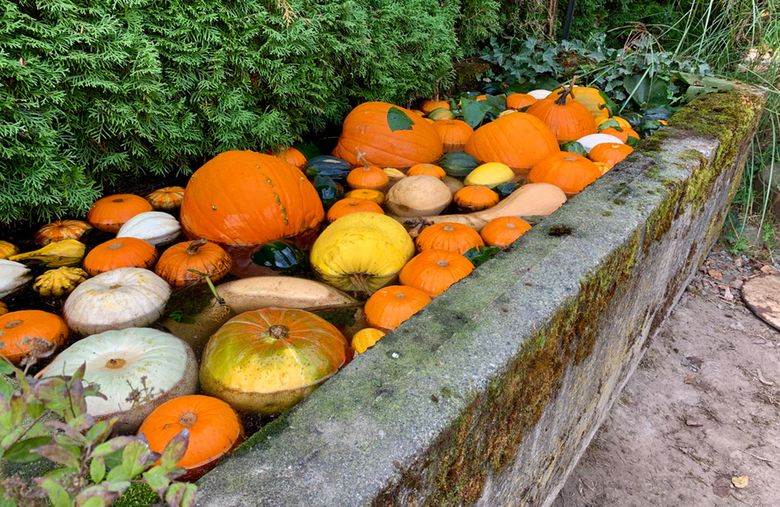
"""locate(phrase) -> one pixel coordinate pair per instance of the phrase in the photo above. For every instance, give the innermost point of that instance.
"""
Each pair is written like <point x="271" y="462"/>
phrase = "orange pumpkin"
<point x="611" y="153"/>
<point x="518" y="140"/>
<point x="568" y="119"/>
<point x="30" y="332"/>
<point x="480" y="98"/>
<point x="622" y="123"/>
<point x="603" y="167"/>
<point x="367" y="194"/>
<point x="390" y="306"/>
<point x="371" y="177"/>
<point x="293" y="156"/>
<point x="426" y="170"/>
<point x="352" y="205"/>
<point x="449" y="236"/>
<point x="434" y="271"/>
<point x="60" y="230"/>
<point x="519" y="100"/>
<point x="3" y="308"/>
<point x="181" y="263"/>
<point x="454" y="134"/>
<point x="623" y="134"/>
<point x="120" y="253"/>
<point x="503" y="231"/>
<point x="247" y="198"/>
<point x="366" y="138"/>
<point x="214" y="430"/>
<point x="111" y="212"/>
<point x="429" y="106"/>
<point x="476" y="198"/>
<point x="166" y="198"/>
<point x="568" y="171"/>
<point x="7" y="249"/>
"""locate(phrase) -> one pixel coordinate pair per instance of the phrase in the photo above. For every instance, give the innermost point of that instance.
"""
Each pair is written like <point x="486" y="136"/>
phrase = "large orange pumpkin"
<point x="248" y="198"/>
<point x="568" y="171"/>
<point x="390" y="306"/>
<point x="453" y="133"/>
<point x="518" y="140"/>
<point x="29" y="331"/>
<point x="214" y="430"/>
<point x="434" y="271"/>
<point x="111" y="212"/>
<point x="450" y="236"/>
<point x="120" y="253"/>
<point x="181" y="263"/>
<point x="366" y="138"/>
<point x="568" y="119"/>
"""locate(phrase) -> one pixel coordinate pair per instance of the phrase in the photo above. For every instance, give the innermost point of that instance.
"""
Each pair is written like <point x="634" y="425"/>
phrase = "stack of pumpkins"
<point x="381" y="252"/>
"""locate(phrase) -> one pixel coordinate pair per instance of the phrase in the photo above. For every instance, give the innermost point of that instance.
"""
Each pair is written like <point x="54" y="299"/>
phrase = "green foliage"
<point x="46" y="420"/>
<point x="101" y="92"/>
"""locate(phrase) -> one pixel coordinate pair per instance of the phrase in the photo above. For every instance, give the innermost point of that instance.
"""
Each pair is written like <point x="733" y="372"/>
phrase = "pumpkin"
<point x="539" y="94"/>
<point x="213" y="426"/>
<point x="441" y="114"/>
<point x="614" y="121"/>
<point x="328" y="189"/>
<point x="325" y="165"/>
<point x="136" y="369"/>
<point x="426" y="170"/>
<point x="60" y="230"/>
<point x="366" y="338"/>
<point x="109" y="213"/>
<point x="503" y="231"/>
<point x="367" y="194"/>
<point x="280" y="257"/>
<point x="67" y="252"/>
<point x="591" y="140"/>
<point x="361" y="252"/>
<point x="247" y="198"/>
<point x="454" y="134"/>
<point x="490" y="175"/>
<point x="166" y="198"/>
<point x="623" y="135"/>
<point x="610" y="153"/>
<point x="458" y="164"/>
<point x="391" y="306"/>
<point x="7" y="249"/>
<point x="518" y="140"/>
<point x="371" y="177"/>
<point x="120" y="253"/>
<point x="591" y="98"/>
<point x="28" y="333"/>
<point x="13" y="276"/>
<point x="368" y="138"/>
<point x="505" y="189"/>
<point x="393" y="175"/>
<point x="475" y="198"/>
<point x="154" y="227"/>
<point x="448" y="236"/>
<point x="293" y="156"/>
<point x="428" y="106"/>
<point x="349" y="205"/>
<point x="574" y="147"/>
<point x="519" y="100"/>
<point x="434" y="271"/>
<point x="265" y="361"/>
<point x="568" y="119"/>
<point x="603" y="167"/>
<point x="188" y="262"/>
<point x="116" y="299"/>
<point x="3" y="308"/>
<point x="59" y="282"/>
<point x="418" y="196"/>
<point x="568" y="171"/>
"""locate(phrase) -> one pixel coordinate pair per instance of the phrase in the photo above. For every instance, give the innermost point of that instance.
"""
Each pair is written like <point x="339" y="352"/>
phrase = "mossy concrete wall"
<point x="490" y="394"/>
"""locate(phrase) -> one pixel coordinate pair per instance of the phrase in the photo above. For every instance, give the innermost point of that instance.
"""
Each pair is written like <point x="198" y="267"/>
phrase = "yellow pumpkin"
<point x="366" y="338"/>
<point x="59" y="282"/>
<point x="490" y="175"/>
<point x="361" y="252"/>
<point x="7" y="249"/>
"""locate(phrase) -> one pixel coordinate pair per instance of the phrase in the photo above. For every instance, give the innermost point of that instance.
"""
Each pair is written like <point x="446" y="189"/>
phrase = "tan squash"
<point x="418" y="196"/>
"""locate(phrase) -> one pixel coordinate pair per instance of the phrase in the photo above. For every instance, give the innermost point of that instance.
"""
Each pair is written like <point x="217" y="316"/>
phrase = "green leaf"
<point x="398" y="120"/>
<point x="97" y="470"/>
<point x="157" y="479"/>
<point x="57" y="494"/>
<point x="137" y="457"/>
<point x="119" y="473"/>
<point x="6" y="368"/>
<point x="112" y="446"/>
<point x="575" y="147"/>
<point x="174" y="450"/>
<point x="6" y="388"/>
<point x="94" y="501"/>
<point x="480" y="255"/>
<point x="474" y="111"/>
<point x="21" y="452"/>
<point x="611" y="123"/>
<point x="181" y="494"/>
<point x="60" y="454"/>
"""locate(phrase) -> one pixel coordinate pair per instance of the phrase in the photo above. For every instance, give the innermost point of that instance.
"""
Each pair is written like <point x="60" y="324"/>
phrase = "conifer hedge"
<point x="105" y="91"/>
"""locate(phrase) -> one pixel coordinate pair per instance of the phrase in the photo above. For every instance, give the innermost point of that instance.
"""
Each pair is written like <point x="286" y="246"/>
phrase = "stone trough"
<point x="491" y="394"/>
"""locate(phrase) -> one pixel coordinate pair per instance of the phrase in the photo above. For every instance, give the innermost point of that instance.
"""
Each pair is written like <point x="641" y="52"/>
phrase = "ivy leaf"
<point x="22" y="451"/>
<point x="6" y="389"/>
<point x="398" y="120"/>
<point x="474" y="111"/>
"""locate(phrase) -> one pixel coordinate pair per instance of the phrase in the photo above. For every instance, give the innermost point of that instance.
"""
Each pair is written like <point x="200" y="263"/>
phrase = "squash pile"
<point x="266" y="274"/>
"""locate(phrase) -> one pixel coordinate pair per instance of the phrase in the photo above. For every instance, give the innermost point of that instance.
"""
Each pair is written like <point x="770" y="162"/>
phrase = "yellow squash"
<point x="366" y="338"/>
<point x="68" y="252"/>
<point x="7" y="249"/>
<point x="490" y="175"/>
<point x="59" y="282"/>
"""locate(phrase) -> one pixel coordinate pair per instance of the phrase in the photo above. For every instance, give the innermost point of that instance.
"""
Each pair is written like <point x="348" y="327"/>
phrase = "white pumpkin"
<point x="539" y="94"/>
<point x="591" y="140"/>
<point x="116" y="299"/>
<point x="155" y="227"/>
<point x="13" y="276"/>
<point x="136" y="369"/>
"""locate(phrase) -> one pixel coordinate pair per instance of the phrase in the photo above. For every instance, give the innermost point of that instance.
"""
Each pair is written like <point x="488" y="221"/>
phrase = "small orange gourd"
<point x="367" y="194"/>
<point x="476" y="198"/>
<point x="120" y="253"/>
<point x="434" y="271"/>
<point x="611" y="153"/>
<point x="450" y="236"/>
<point x="30" y="332"/>
<point x="371" y="177"/>
<point x="111" y="212"/>
<point x="60" y="230"/>
<point x="187" y="262"/>
<point x="166" y="198"/>
<point x="503" y="231"/>
<point x="568" y="171"/>
<point x="366" y="338"/>
<point x="390" y="306"/>
<point x="426" y="170"/>
<point x="519" y="100"/>
<point x="349" y="205"/>
<point x="454" y="134"/>
<point x="429" y="106"/>
<point x="293" y="156"/>
<point x="7" y="249"/>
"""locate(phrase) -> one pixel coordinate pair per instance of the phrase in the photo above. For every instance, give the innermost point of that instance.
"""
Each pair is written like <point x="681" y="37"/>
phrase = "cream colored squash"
<point x="418" y="196"/>
<point x="539" y="94"/>
<point x="154" y="227"/>
<point x="13" y="276"/>
<point x="591" y="140"/>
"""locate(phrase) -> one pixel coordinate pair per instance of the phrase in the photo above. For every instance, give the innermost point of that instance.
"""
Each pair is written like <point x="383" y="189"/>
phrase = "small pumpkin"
<point x="503" y="231"/>
<point x="426" y="170"/>
<point x="366" y="338"/>
<point x="623" y="135"/>
<point x="166" y="198"/>
<point x="67" y="252"/>
<point x="418" y="196"/>
<point x="441" y="114"/>
<point x="213" y="426"/>
<point x="13" y="276"/>
<point x="449" y="236"/>
<point x="391" y="306"/>
<point x="367" y="194"/>
<point x="428" y="106"/>
<point x="30" y="333"/>
<point x="361" y="252"/>
<point x="111" y="212"/>
<point x="591" y="140"/>
<point x="293" y="156"/>
<point x="476" y="198"/>
<point x="519" y="100"/>
<point x="454" y="134"/>
<point x="505" y="189"/>
<point x="434" y="271"/>
<point x="60" y="230"/>
<point x="280" y="256"/>
<point x="568" y="171"/>
<point x="7" y="249"/>
<point x="490" y="175"/>
<point x="568" y="119"/>
<point x="610" y="153"/>
<point x="603" y="167"/>
<point x="326" y="165"/>
<point x="120" y="253"/>
<point x="59" y="282"/>
<point x="371" y="177"/>
<point x="458" y="164"/>
<point x="614" y="122"/>
<point x="154" y="227"/>
<point x="349" y="205"/>
<point x="265" y="361"/>
<point x="186" y="263"/>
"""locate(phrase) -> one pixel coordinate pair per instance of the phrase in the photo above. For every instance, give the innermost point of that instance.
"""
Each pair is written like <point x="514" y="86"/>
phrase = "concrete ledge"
<point x="490" y="395"/>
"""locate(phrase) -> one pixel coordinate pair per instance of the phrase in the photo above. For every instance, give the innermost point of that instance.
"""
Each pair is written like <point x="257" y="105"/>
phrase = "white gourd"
<point x="13" y="276"/>
<point x="154" y="227"/>
<point x="591" y="140"/>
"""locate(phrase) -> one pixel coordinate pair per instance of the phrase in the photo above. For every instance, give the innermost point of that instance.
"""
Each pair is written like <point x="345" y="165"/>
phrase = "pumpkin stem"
<point x="115" y="363"/>
<point x="196" y="245"/>
<point x="188" y="419"/>
<point x="568" y="90"/>
<point x="278" y="332"/>
<point x="360" y="282"/>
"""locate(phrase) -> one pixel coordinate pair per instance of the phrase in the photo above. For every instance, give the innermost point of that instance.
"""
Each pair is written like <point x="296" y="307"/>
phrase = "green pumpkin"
<point x="326" y="165"/>
<point x="458" y="164"/>
<point x="281" y="256"/>
<point x="505" y="189"/>
<point x="328" y="190"/>
<point x="574" y="147"/>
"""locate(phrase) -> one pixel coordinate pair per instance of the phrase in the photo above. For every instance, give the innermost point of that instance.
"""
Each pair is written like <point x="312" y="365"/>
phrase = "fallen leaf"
<point x="740" y="481"/>
<point x="767" y="269"/>
<point x="717" y="275"/>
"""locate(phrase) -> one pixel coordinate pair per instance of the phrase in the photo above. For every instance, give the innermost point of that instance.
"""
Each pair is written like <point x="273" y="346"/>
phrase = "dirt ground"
<point x="698" y="424"/>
